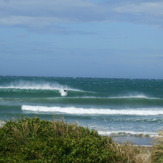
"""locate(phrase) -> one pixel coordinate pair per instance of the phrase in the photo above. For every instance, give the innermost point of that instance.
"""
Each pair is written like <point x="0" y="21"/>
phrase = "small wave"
<point x="93" y="111"/>
<point x="120" y="97"/>
<point x="128" y="133"/>
<point x="135" y="96"/>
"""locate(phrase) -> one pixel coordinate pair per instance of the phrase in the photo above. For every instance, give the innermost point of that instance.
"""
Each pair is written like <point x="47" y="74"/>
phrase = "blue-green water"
<point x="123" y="107"/>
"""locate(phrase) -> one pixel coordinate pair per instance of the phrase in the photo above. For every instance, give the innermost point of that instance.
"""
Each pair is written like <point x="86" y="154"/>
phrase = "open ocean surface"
<point x="128" y="109"/>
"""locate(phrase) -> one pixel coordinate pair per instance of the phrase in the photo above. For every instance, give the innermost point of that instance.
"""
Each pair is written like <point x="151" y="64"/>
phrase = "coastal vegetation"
<point x="158" y="149"/>
<point x="37" y="140"/>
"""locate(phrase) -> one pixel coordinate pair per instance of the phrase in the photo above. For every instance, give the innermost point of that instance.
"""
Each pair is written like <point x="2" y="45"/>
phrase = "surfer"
<point x="63" y="92"/>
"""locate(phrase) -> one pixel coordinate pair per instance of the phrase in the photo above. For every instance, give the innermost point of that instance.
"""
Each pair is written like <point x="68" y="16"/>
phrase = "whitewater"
<point x="130" y="109"/>
<point x="91" y="111"/>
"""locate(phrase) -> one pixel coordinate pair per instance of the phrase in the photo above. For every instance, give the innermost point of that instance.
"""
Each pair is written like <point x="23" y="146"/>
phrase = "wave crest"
<point x="24" y="85"/>
<point x="93" y="111"/>
<point x="128" y="133"/>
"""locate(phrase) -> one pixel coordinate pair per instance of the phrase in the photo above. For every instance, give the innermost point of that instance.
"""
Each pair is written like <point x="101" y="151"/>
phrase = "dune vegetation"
<point x="37" y="140"/>
<point x="157" y="153"/>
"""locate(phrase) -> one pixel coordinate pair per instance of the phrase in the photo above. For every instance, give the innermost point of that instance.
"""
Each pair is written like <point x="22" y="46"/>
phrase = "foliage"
<point x="37" y="140"/>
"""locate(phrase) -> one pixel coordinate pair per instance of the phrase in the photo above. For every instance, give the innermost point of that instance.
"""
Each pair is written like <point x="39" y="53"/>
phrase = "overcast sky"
<point x="82" y="38"/>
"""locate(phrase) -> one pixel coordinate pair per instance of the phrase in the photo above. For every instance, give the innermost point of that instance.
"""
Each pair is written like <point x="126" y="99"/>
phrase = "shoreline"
<point x="140" y="139"/>
<point x="137" y="141"/>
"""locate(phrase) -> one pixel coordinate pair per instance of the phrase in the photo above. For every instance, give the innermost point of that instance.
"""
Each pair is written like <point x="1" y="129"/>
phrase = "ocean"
<point x="126" y="109"/>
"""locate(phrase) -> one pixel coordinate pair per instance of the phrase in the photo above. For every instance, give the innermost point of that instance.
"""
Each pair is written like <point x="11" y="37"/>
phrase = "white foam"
<point x="93" y="111"/>
<point x="130" y="133"/>
<point x="63" y="92"/>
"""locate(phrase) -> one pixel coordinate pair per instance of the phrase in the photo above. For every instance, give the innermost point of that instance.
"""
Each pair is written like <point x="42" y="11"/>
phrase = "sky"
<point x="82" y="38"/>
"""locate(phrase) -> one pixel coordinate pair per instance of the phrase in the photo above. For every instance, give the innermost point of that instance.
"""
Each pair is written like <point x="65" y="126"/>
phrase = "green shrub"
<point x="36" y="140"/>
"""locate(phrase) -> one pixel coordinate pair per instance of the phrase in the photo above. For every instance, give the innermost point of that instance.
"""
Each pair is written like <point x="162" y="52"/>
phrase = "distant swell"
<point x="93" y="111"/>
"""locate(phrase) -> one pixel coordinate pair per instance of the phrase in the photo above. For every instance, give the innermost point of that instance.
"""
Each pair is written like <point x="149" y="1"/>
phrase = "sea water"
<point x="127" y="109"/>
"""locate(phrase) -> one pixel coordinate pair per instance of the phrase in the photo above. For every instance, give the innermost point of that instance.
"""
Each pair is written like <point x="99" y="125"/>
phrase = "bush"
<point x="39" y="140"/>
<point x="36" y="140"/>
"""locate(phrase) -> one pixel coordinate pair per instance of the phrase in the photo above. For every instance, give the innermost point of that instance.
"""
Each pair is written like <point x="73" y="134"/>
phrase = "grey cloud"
<point x="47" y="13"/>
<point x="149" y="8"/>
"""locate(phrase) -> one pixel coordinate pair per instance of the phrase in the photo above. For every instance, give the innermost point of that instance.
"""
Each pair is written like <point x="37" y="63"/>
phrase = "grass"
<point x="36" y="140"/>
<point x="157" y="154"/>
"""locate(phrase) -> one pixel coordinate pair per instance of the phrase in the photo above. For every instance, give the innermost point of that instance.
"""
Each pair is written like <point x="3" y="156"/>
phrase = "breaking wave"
<point x="93" y="111"/>
<point x="24" y="85"/>
<point x="128" y="133"/>
<point x="40" y="86"/>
